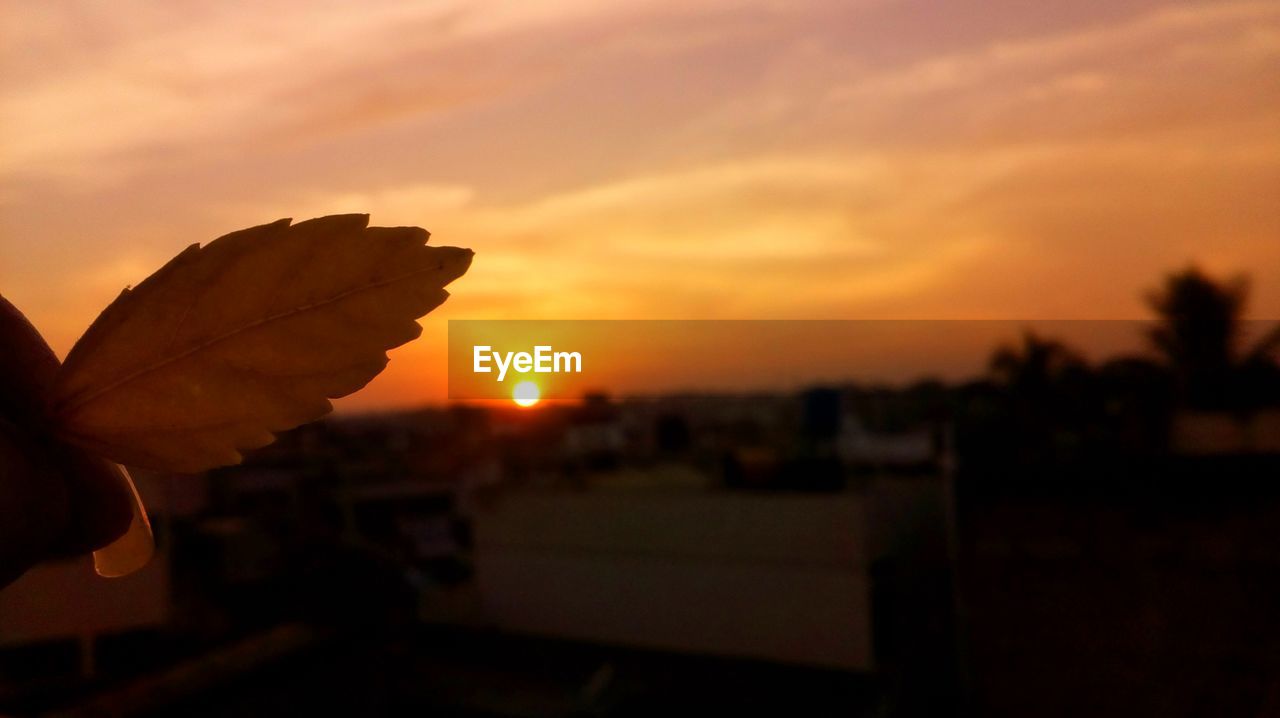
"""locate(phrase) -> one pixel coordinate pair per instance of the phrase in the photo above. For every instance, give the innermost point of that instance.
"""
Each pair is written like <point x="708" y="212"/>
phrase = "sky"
<point x="844" y="159"/>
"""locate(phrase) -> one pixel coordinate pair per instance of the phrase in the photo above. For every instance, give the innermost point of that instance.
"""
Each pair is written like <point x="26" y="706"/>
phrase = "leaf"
<point x="249" y="335"/>
<point x="133" y="550"/>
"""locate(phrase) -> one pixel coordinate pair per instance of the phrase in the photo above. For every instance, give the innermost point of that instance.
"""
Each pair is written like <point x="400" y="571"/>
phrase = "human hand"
<point x="55" y="499"/>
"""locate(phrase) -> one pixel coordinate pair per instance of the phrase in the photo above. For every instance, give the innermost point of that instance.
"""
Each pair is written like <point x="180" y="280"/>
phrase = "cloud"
<point x="901" y="233"/>
<point x="92" y="92"/>
<point x="654" y="158"/>
<point x="1165" y="32"/>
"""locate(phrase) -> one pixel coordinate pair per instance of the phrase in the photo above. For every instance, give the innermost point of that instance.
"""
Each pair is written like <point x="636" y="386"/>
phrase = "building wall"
<point x="769" y="576"/>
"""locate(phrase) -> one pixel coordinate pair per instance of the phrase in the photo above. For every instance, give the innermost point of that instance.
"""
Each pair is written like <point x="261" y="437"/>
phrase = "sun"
<point x="525" y="394"/>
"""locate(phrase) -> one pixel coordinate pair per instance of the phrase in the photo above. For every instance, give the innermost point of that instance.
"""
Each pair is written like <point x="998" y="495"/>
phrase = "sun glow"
<point x="525" y="394"/>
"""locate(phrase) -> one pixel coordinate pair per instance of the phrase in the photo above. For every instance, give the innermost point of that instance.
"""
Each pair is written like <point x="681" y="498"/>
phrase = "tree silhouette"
<point x="1035" y="368"/>
<point x="1201" y="337"/>
<point x="1042" y="381"/>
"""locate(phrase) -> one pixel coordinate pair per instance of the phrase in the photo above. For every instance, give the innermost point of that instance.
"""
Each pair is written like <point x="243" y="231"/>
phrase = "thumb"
<point x="55" y="499"/>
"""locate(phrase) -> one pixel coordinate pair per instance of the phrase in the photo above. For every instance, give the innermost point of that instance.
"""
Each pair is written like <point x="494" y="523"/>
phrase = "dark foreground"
<point x="295" y="670"/>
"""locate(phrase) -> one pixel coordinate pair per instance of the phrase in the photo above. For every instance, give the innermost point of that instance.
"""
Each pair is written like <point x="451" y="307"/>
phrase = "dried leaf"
<point x="134" y="549"/>
<point x="249" y="335"/>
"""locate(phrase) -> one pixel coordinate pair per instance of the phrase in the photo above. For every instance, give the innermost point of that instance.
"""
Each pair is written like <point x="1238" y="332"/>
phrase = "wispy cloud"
<point x="653" y="158"/>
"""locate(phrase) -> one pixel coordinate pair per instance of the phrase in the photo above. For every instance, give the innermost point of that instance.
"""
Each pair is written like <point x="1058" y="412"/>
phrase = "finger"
<point x="62" y="490"/>
<point x="33" y="506"/>
<point x="100" y="504"/>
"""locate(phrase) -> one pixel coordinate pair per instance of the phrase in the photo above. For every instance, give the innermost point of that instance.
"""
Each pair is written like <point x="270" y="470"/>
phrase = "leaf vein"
<point x="77" y="401"/>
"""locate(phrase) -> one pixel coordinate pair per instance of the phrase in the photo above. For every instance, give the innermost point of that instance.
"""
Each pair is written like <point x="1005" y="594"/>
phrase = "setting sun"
<point x="525" y="394"/>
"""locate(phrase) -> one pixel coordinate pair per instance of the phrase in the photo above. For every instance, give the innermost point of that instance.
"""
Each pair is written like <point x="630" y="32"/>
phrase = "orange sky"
<point x="865" y="159"/>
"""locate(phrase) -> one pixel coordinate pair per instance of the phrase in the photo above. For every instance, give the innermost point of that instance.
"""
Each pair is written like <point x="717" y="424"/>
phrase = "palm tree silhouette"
<point x="1041" y="379"/>
<point x="1034" y="368"/>
<point x="1201" y="337"/>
